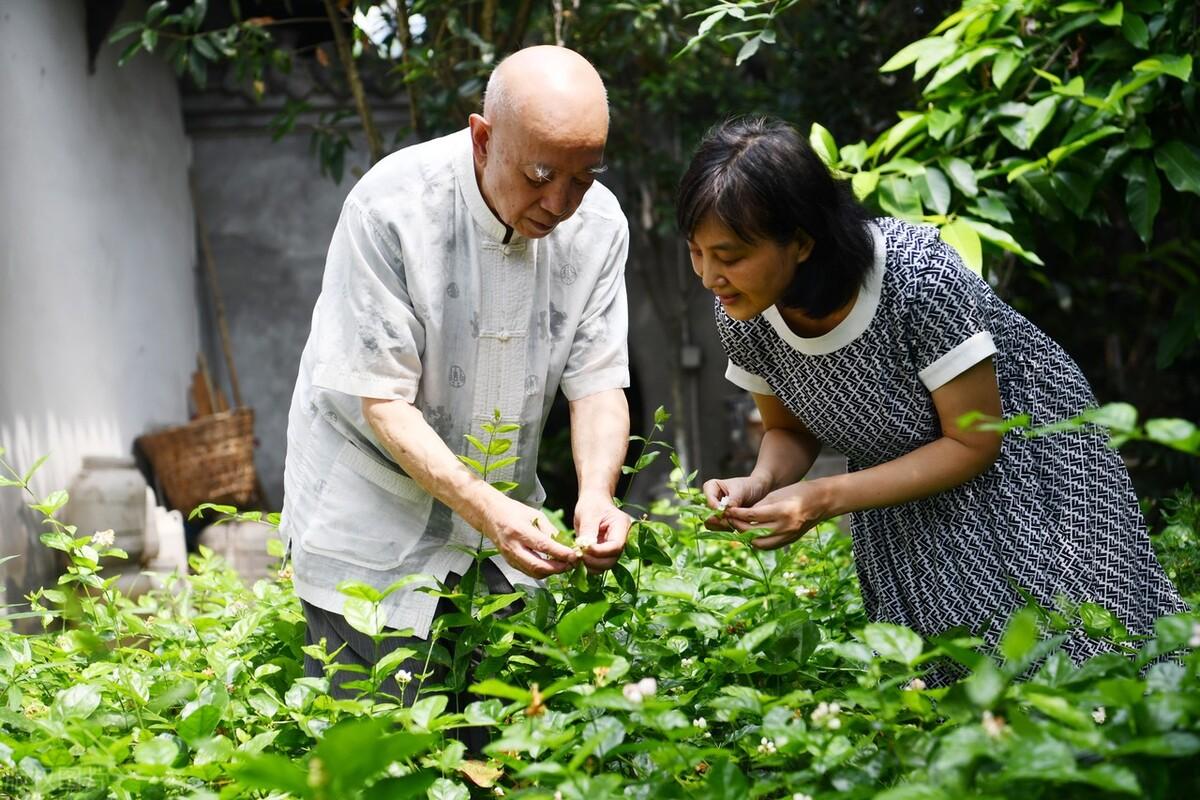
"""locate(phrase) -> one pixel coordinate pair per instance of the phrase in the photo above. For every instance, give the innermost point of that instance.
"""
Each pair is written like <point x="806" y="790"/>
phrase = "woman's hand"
<point x="788" y="514"/>
<point x="723" y="494"/>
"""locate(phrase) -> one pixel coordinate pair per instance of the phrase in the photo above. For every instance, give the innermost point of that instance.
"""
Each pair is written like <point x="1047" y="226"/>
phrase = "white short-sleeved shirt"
<point x="422" y="300"/>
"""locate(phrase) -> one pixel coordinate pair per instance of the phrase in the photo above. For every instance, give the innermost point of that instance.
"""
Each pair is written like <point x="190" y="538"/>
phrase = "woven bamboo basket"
<point x="208" y="460"/>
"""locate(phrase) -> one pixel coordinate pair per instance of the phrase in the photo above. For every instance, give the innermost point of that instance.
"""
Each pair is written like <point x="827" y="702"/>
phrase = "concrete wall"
<point x="98" y="319"/>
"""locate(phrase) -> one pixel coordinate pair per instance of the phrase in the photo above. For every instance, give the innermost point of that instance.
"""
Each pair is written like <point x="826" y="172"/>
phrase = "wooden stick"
<point x="210" y="271"/>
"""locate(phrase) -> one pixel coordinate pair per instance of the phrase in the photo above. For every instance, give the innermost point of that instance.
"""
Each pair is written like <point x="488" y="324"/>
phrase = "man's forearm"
<point x="402" y="430"/>
<point x="599" y="439"/>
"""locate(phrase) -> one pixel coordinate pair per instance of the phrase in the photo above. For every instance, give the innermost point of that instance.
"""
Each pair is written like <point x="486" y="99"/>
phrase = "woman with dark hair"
<point x="871" y="336"/>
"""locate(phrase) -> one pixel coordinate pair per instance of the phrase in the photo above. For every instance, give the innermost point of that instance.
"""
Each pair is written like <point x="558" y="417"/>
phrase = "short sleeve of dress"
<point x="741" y="353"/>
<point x="368" y="339"/>
<point x="946" y="316"/>
<point x="599" y="358"/>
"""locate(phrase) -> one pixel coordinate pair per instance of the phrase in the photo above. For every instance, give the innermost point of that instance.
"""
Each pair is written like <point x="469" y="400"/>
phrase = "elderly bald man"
<point x="477" y="272"/>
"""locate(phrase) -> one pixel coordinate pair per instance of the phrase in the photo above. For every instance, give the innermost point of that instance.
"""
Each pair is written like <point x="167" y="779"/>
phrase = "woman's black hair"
<point x="761" y="179"/>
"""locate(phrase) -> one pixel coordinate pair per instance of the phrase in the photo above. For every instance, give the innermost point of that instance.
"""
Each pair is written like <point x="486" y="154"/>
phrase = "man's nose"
<point x="556" y="198"/>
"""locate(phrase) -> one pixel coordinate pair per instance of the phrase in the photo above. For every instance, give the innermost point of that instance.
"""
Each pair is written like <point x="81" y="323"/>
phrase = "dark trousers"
<point x="360" y="649"/>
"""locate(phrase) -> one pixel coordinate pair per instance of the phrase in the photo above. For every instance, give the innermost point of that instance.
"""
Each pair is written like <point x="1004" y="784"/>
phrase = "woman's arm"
<point x="785" y="455"/>
<point x="957" y="457"/>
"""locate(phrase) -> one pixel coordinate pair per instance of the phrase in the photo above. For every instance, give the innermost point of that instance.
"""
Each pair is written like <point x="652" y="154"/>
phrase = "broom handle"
<point x="210" y="271"/>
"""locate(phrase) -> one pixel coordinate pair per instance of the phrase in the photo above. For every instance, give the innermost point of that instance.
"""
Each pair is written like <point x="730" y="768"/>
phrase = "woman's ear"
<point x="805" y="244"/>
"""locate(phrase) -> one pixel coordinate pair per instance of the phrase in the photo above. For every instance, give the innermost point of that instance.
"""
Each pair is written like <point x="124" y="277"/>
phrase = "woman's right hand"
<point x="723" y="493"/>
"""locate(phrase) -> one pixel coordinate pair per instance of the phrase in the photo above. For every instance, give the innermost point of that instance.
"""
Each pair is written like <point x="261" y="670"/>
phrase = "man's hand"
<point x="600" y="529"/>
<point x="523" y="536"/>
<point x="788" y="514"/>
<point x="724" y="494"/>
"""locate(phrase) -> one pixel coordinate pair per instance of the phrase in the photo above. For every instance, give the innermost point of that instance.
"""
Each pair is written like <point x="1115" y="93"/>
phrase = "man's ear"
<point x="481" y="138"/>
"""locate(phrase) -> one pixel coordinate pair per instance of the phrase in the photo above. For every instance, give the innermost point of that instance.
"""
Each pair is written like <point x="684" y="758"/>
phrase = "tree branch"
<point x="346" y="56"/>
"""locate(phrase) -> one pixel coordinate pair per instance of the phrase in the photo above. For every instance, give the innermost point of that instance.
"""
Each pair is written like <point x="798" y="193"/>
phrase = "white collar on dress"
<point x="857" y="321"/>
<point x="464" y="172"/>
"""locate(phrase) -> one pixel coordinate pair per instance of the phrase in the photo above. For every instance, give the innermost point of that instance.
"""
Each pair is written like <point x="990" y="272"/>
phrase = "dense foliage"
<point x="700" y="667"/>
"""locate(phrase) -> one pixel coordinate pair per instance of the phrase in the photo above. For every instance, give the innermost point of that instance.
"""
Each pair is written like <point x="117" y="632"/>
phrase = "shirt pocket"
<point x="367" y="513"/>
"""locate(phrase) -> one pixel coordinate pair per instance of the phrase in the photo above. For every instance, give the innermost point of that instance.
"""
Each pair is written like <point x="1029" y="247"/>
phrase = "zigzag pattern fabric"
<point x="1055" y="516"/>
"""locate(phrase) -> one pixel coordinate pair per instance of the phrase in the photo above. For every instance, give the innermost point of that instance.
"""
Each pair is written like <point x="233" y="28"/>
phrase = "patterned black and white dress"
<point x="1056" y="516"/>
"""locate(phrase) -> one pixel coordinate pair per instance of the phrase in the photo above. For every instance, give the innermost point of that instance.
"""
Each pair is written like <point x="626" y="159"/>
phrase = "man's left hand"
<point x="600" y="529"/>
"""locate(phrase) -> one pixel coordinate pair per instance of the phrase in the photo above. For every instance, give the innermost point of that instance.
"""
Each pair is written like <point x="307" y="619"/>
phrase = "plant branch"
<point x="346" y="56"/>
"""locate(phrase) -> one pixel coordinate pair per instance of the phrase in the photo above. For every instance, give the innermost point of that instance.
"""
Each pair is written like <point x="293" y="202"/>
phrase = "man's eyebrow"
<point x="598" y="169"/>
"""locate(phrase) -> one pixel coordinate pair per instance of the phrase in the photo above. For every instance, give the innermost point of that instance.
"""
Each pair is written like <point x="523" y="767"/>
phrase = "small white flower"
<point x="723" y="503"/>
<point x="103" y="538"/>
<point x="916" y="685"/>
<point x="647" y="686"/>
<point x="833" y="724"/>
<point x="1099" y="715"/>
<point x="787" y="576"/>
<point x="687" y="662"/>
<point x="802" y="796"/>
<point x="632" y="693"/>
<point x="1195" y="640"/>
<point x="499" y="792"/>
<point x="558" y="795"/>
<point x="805" y="591"/>
<point x="403" y="676"/>
<point x="700" y="722"/>
<point x="766" y="747"/>
<point x="993" y="725"/>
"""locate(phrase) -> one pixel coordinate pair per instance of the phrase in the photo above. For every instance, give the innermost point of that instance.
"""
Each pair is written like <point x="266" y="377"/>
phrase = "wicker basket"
<point x="208" y="460"/>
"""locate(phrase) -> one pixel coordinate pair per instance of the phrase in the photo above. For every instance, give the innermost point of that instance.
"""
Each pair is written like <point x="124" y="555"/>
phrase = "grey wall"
<point x="98" y="322"/>
<point x="269" y="215"/>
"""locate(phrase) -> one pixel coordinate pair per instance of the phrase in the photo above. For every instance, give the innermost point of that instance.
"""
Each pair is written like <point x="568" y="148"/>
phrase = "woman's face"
<point x="746" y="278"/>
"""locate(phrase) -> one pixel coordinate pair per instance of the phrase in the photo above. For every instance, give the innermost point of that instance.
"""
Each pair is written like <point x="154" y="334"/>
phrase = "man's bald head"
<point x="539" y="143"/>
<point x="547" y="87"/>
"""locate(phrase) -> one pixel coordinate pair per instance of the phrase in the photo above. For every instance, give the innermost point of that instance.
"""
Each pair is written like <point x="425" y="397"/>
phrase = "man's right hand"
<point x="523" y="535"/>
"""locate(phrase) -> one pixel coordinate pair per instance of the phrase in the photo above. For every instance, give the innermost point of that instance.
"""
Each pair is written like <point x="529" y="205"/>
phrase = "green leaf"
<point x="364" y="616"/>
<point x="472" y="463"/>
<point x="214" y="750"/>
<point x="1120" y="417"/>
<point x="497" y="688"/>
<point x="1024" y="132"/>
<point x="1001" y="239"/>
<point x="893" y="642"/>
<point x="935" y="190"/>
<point x="1020" y="635"/>
<point x="985" y="685"/>
<point x="580" y="620"/>
<point x="864" y="183"/>
<point x="853" y="155"/>
<point x="446" y="789"/>
<point x="962" y="175"/>
<point x="1059" y="153"/>
<point x="926" y="53"/>
<point x="1003" y="67"/>
<point x="940" y="122"/>
<point x="414" y="784"/>
<point x="1112" y="17"/>
<point x="162" y="750"/>
<point x="899" y="197"/>
<point x="476" y="443"/>
<point x="991" y="207"/>
<point x="498" y="447"/>
<point x="963" y="238"/>
<point x="149" y="39"/>
<point x="1135" y="31"/>
<point x="1143" y="197"/>
<point x="725" y="782"/>
<point x="1178" y="433"/>
<point x="901" y="131"/>
<point x="748" y="49"/>
<point x="823" y="144"/>
<point x="1177" y="66"/>
<point x="77" y="702"/>
<point x="426" y="710"/>
<point x="198" y="723"/>
<point x="1180" y="162"/>
<point x="269" y="771"/>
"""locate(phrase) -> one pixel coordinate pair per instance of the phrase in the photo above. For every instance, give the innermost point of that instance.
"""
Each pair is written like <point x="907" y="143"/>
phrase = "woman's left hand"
<point x="787" y="514"/>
